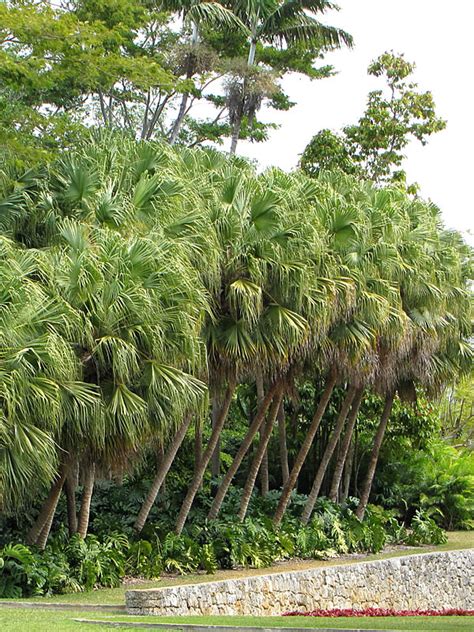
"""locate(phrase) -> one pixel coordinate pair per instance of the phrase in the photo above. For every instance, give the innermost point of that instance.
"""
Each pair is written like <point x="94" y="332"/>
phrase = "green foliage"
<point x="26" y="572"/>
<point x="143" y="560"/>
<point x="327" y="151"/>
<point x="134" y="66"/>
<point x="154" y="276"/>
<point x="64" y="566"/>
<point x="77" y="564"/>
<point x="457" y="412"/>
<point x="424" y="530"/>
<point x="438" y="478"/>
<point x="97" y="563"/>
<point x="55" y="59"/>
<point x="373" y="148"/>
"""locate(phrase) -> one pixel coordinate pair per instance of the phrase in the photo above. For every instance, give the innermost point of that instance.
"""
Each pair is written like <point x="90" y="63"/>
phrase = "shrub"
<point x="73" y="564"/>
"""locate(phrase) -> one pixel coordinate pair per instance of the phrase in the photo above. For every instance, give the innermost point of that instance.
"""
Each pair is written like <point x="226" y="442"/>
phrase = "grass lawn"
<point x="361" y="623"/>
<point x="456" y="540"/>
<point x="38" y="620"/>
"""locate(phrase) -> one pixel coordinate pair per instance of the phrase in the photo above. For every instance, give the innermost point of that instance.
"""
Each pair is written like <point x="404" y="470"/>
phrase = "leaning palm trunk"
<point x="199" y="472"/>
<point x="259" y="454"/>
<point x="264" y="476"/>
<point x="328" y="452"/>
<point x="285" y="472"/>
<point x="197" y="441"/>
<point x="241" y="452"/>
<point x="48" y="506"/>
<point x="348" y="467"/>
<point x="346" y="442"/>
<point x="216" y="455"/>
<point x="83" y="520"/>
<point x="303" y="453"/>
<point x="70" y="488"/>
<point x="264" y="466"/>
<point x="45" y="531"/>
<point x="374" y="457"/>
<point x="163" y="470"/>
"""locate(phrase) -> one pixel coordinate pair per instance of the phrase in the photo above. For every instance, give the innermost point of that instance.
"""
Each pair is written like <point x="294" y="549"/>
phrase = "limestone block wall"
<point x="427" y="581"/>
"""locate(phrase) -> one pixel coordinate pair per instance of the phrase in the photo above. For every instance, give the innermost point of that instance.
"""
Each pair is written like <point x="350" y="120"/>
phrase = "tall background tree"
<point x="395" y="115"/>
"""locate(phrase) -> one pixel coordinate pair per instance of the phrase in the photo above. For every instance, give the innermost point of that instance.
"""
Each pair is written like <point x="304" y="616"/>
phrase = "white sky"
<point x="435" y="34"/>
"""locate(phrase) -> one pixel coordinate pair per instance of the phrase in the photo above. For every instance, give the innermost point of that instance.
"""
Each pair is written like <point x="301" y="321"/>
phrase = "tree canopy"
<point x="374" y="147"/>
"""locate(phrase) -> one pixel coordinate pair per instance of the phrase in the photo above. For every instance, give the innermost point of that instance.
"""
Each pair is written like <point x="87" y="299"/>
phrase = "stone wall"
<point x="428" y="581"/>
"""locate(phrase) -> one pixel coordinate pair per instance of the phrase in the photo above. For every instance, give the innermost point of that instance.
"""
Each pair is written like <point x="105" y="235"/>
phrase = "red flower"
<point x="381" y="612"/>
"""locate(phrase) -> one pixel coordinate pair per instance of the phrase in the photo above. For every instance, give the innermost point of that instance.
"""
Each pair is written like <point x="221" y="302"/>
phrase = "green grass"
<point x="38" y="620"/>
<point x="456" y="540"/>
<point x="374" y="623"/>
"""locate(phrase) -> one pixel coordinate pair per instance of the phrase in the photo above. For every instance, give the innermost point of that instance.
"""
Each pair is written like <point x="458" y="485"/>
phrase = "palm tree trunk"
<point x="241" y="452"/>
<point x="374" y="457"/>
<point x="264" y="466"/>
<point x="346" y="442"/>
<point x="71" y="484"/>
<point x="45" y="531"/>
<point x="305" y="447"/>
<point x="199" y="473"/>
<point x="258" y="457"/>
<point x="264" y="477"/>
<point x="160" y="455"/>
<point x="83" y="520"/>
<point x="197" y="441"/>
<point x="252" y="51"/>
<point x="328" y="452"/>
<point x="234" y="139"/>
<point x="348" y="471"/>
<point x="285" y="472"/>
<point x="49" y="506"/>
<point x="161" y="473"/>
<point x="216" y="455"/>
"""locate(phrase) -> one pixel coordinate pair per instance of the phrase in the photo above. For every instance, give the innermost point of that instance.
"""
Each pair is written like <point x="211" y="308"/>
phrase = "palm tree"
<point x="374" y="455"/>
<point x="283" y="448"/>
<point x="348" y="338"/>
<point x="279" y="331"/>
<point x="139" y="309"/>
<point x="253" y="295"/>
<point x="287" y="489"/>
<point x="40" y="377"/>
<point x="198" y="13"/>
<point x="161" y="473"/>
<point x="242" y="451"/>
<point x="286" y="22"/>
<point x="434" y="310"/>
<point x="345" y="446"/>
<point x="150" y="273"/>
<point x="206" y="457"/>
<point x="330" y="447"/>
<point x="259" y="454"/>
<point x="70" y="486"/>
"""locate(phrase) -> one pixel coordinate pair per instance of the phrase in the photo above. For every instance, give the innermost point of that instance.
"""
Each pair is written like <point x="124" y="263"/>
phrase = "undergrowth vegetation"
<point x="70" y="564"/>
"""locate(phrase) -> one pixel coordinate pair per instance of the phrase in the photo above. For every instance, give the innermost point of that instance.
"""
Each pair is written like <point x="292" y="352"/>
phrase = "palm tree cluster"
<point x="142" y="284"/>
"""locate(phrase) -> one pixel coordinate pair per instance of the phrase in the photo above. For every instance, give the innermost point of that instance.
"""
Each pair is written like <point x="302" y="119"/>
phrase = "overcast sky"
<point x="435" y="34"/>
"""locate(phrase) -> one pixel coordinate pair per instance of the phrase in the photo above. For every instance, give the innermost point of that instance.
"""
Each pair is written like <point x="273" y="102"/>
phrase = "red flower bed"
<point x="381" y="612"/>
